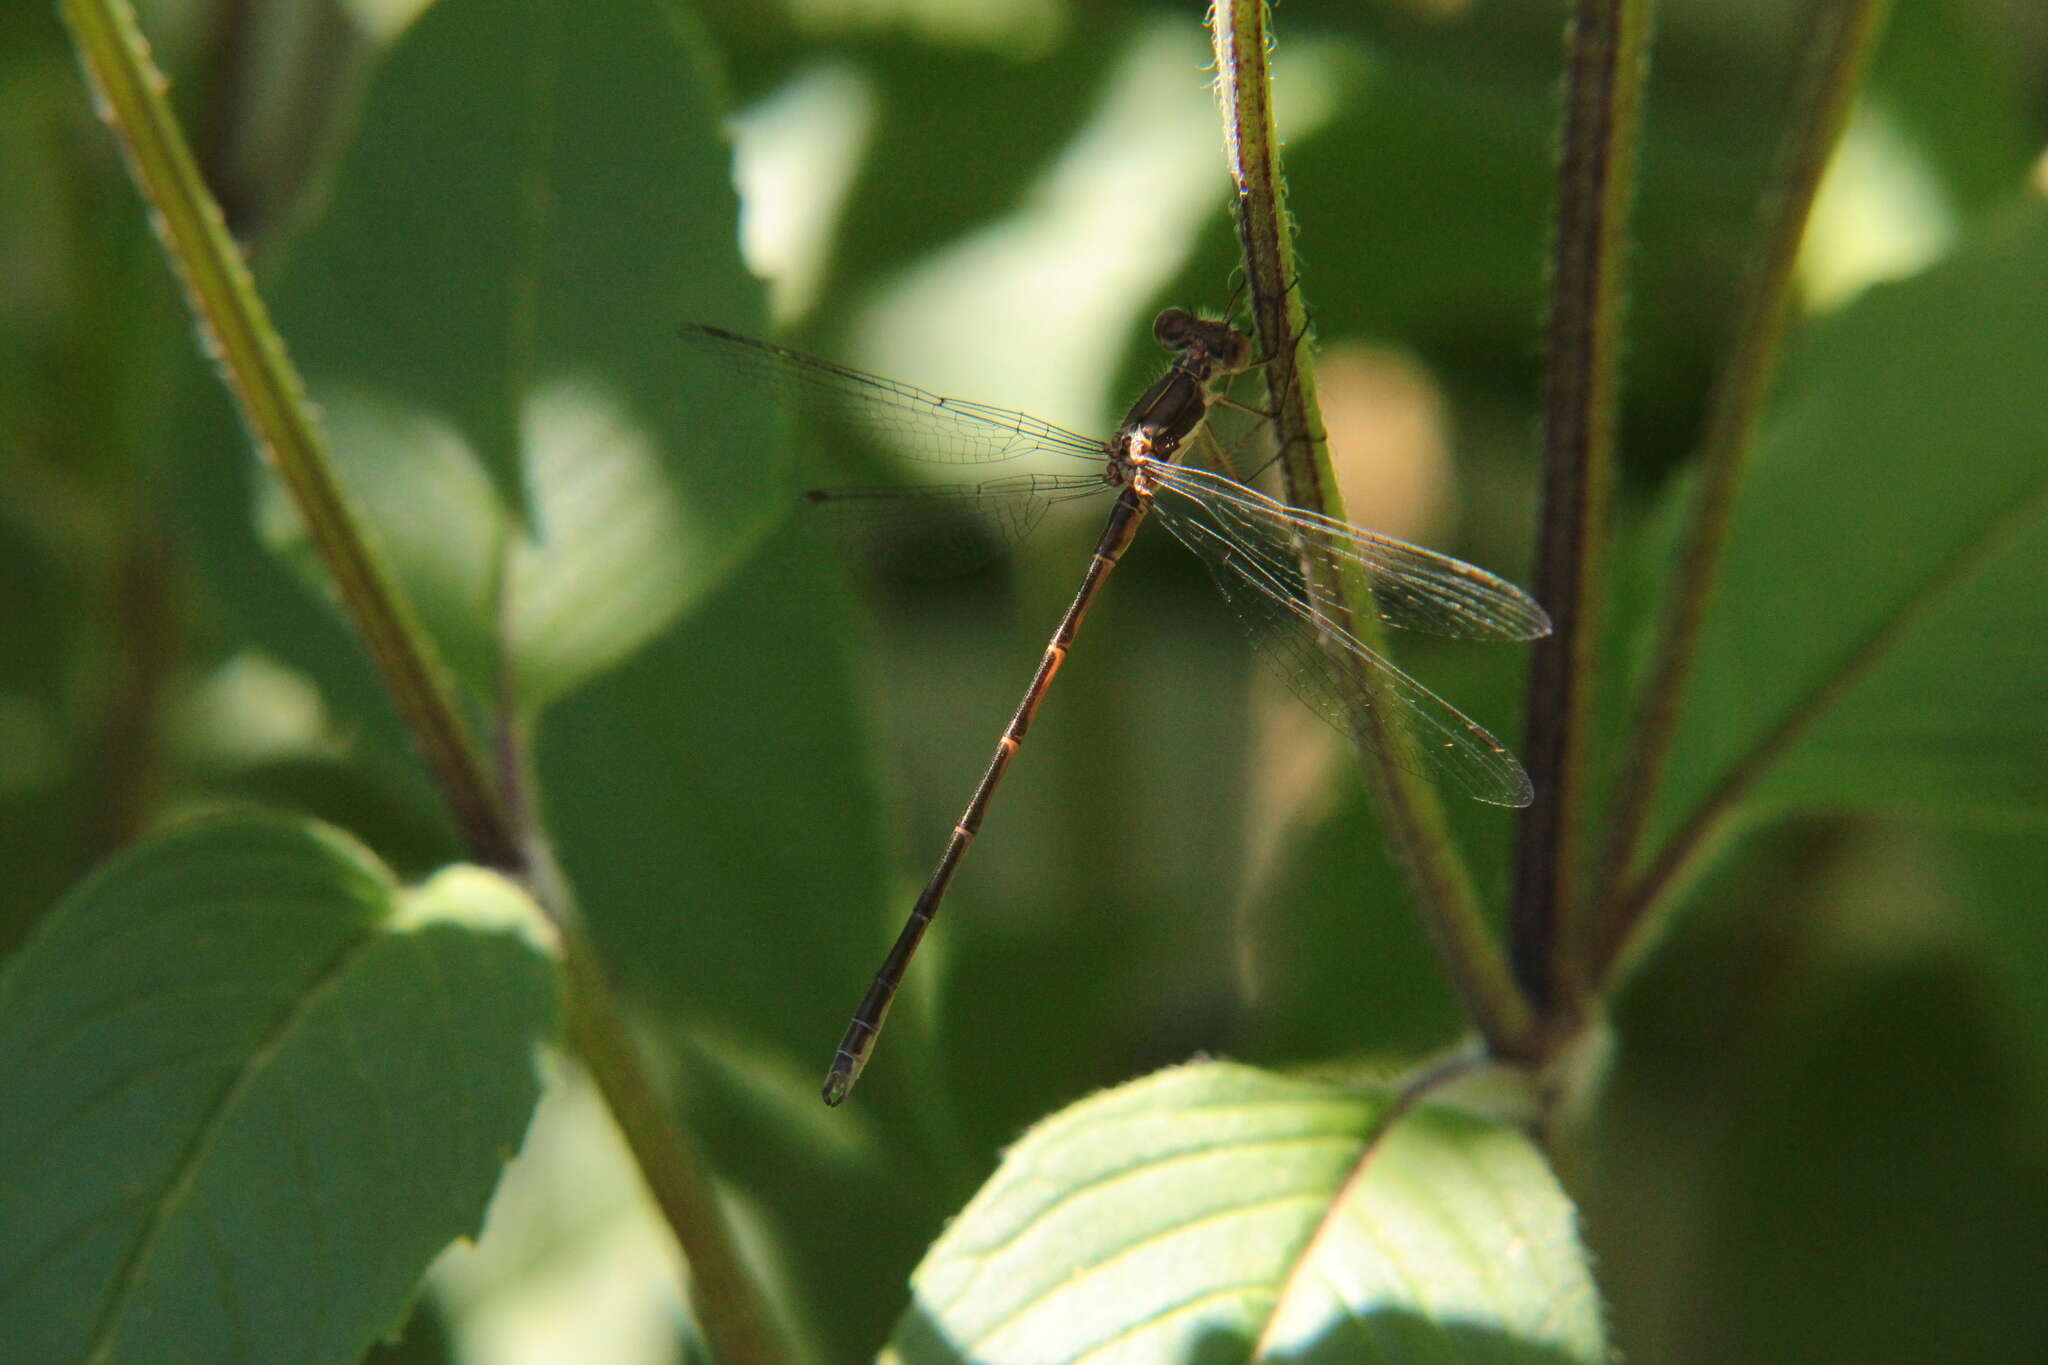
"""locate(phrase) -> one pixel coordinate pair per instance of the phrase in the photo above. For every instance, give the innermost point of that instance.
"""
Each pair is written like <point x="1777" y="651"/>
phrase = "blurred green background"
<point x="1823" y="1138"/>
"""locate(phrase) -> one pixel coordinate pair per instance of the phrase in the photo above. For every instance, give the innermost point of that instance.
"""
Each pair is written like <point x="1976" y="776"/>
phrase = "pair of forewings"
<point x="1253" y="546"/>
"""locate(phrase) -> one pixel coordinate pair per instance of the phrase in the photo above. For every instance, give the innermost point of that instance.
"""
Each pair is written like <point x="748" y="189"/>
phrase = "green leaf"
<point x="1819" y="1097"/>
<point x="714" y="802"/>
<point x="248" y="1088"/>
<point x="1214" y="1210"/>
<point x="44" y="765"/>
<point x="1441" y="157"/>
<point x="1340" y="965"/>
<point x="1791" y="1191"/>
<point x="486" y="312"/>
<point x="1997" y="876"/>
<point x="1953" y="76"/>
<point x="1008" y="115"/>
<point x="1878" y="639"/>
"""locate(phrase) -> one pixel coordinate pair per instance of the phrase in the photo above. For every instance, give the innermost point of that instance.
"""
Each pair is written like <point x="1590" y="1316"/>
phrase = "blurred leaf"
<point x="42" y="826"/>
<point x="248" y="1088"/>
<point x="1446" y="175"/>
<point x="1816" y="1099"/>
<point x="714" y="804"/>
<point x="927" y="181"/>
<point x="1997" y="876"/>
<point x="1343" y="967"/>
<point x="1898" y="505"/>
<point x="1202" y="1210"/>
<point x="1950" y="68"/>
<point x="1088" y="938"/>
<point x="42" y="593"/>
<point x="486" y="308"/>
<point x="340" y="794"/>
<point x="89" y="329"/>
<point x="423" y="1340"/>
<point x="253" y="600"/>
<point x="1886" y="1126"/>
<point x="1424" y="204"/>
<point x="1015" y="94"/>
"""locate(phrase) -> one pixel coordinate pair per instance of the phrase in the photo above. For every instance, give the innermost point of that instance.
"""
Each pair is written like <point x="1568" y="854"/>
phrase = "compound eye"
<point x="1174" y="329"/>
<point x="1239" y="356"/>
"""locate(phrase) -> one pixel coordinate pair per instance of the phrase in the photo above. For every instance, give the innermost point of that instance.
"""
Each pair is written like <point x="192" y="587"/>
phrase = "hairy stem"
<point x="252" y="359"/>
<point x="1409" y="807"/>
<point x="1596" y="175"/>
<point x="1839" y="43"/>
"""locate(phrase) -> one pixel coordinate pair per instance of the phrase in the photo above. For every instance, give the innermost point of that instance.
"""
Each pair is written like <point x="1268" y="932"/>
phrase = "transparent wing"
<point x="922" y="425"/>
<point x="942" y="530"/>
<point x="1414" y="588"/>
<point x="1347" y="684"/>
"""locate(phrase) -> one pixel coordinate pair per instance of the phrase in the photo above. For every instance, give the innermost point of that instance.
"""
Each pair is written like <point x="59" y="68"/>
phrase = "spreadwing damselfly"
<point x="1253" y="546"/>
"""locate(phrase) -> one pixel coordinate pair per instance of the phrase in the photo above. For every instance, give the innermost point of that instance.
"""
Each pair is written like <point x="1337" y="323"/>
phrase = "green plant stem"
<point x="1605" y="59"/>
<point x="252" y="360"/>
<point x="130" y="94"/>
<point x="724" y="1299"/>
<point x="1409" y="807"/>
<point x="1840" y="40"/>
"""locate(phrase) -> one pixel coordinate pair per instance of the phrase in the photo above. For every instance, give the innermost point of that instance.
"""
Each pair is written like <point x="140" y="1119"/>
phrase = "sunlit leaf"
<point x="1214" y="1212"/>
<point x="486" y="309"/>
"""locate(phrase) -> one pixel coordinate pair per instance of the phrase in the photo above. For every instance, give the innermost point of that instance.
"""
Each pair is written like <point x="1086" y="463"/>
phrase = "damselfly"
<point x="1254" y="547"/>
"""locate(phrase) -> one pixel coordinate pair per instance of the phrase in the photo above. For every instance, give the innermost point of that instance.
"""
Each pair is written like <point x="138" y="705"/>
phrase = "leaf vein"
<point x="205" y="1134"/>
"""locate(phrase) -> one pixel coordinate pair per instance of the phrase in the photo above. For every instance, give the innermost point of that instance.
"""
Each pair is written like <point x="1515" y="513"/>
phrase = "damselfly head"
<point x="1224" y="349"/>
<point x="1174" y="328"/>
